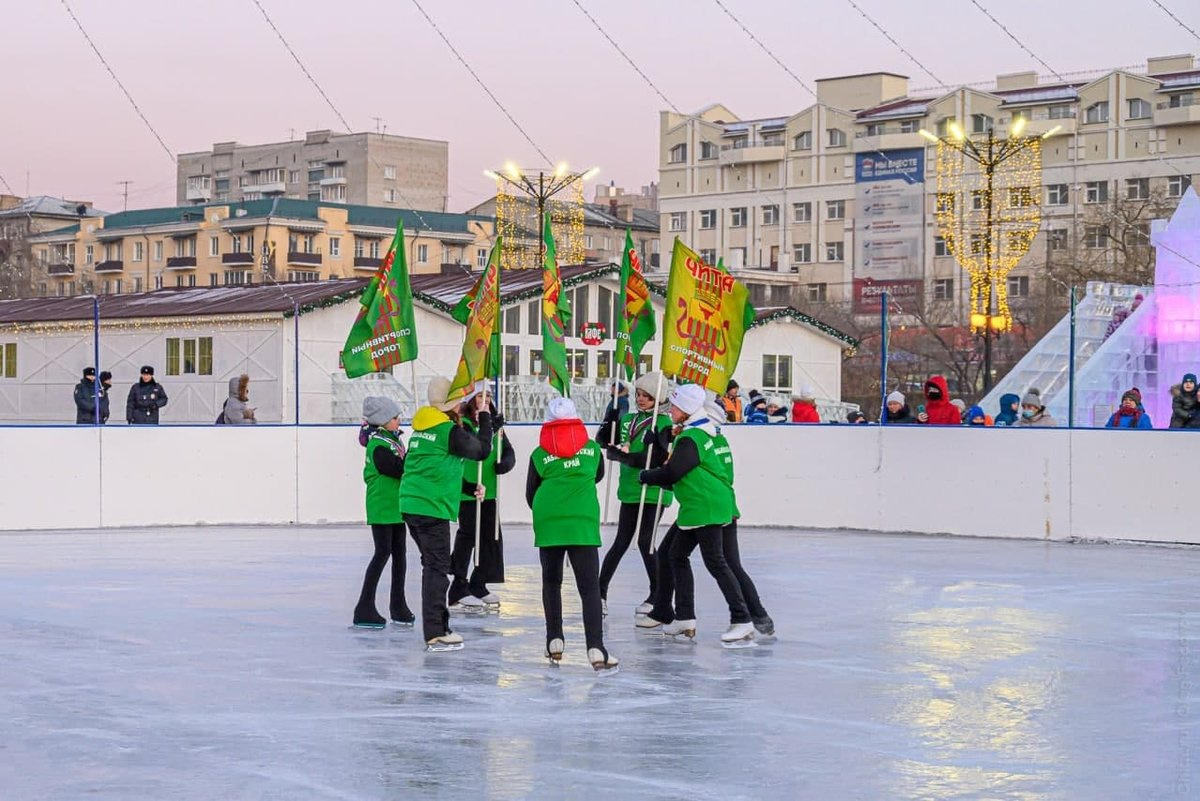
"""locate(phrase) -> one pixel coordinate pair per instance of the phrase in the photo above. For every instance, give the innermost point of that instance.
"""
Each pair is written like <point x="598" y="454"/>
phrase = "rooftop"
<point x="47" y="206"/>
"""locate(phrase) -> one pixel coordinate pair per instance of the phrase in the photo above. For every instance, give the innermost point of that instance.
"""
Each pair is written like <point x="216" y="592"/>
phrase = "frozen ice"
<point x="219" y="663"/>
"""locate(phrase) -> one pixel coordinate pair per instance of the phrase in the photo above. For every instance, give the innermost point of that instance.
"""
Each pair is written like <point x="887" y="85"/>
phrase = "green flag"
<point x="635" y="322"/>
<point x="385" y="332"/>
<point x="479" y="311"/>
<point x="749" y="313"/>
<point x="556" y="316"/>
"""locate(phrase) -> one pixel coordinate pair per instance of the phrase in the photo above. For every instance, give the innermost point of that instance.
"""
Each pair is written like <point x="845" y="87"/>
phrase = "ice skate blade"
<point x="607" y="671"/>
<point x="435" y="649"/>
<point x="404" y="625"/>
<point x="681" y="637"/>
<point x="459" y="610"/>
<point x="369" y="626"/>
<point x="747" y="642"/>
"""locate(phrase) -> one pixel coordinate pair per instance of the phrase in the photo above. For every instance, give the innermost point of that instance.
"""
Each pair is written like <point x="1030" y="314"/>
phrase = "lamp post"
<point x="1021" y="211"/>
<point x="540" y="187"/>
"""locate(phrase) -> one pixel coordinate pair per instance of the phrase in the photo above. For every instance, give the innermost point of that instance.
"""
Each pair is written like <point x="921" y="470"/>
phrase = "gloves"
<point x="642" y="476"/>
<point x="497" y="421"/>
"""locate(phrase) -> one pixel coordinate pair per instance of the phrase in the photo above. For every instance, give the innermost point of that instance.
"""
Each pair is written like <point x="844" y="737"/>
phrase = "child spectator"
<point x="1130" y="414"/>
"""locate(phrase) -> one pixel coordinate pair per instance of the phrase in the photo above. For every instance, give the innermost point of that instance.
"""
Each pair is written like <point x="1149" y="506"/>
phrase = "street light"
<point x="986" y="258"/>
<point x="540" y="187"/>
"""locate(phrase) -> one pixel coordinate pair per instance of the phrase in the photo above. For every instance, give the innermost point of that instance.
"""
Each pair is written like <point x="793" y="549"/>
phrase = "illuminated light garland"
<point x="188" y="323"/>
<point x="964" y="194"/>
<point x="520" y="230"/>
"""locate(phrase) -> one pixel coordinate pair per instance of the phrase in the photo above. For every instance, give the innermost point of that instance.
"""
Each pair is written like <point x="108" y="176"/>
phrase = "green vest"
<point x="566" y="507"/>
<point x="705" y="498"/>
<point x="631" y="430"/>
<point x="471" y="469"/>
<point x="725" y="454"/>
<point x="432" y="480"/>
<point x="383" y="492"/>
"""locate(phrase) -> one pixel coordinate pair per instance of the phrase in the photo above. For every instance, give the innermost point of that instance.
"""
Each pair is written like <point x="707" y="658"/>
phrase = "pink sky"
<point x="209" y="72"/>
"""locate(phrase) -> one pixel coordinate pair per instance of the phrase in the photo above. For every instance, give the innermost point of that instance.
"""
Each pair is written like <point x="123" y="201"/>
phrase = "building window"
<point x="335" y="246"/>
<point x="1018" y="286"/>
<point x="1181" y="100"/>
<point x="837" y="137"/>
<point x="587" y="242"/>
<point x="941" y="247"/>
<point x="802" y="141"/>
<point x="189" y="356"/>
<point x="577" y="362"/>
<point x="1097" y="112"/>
<point x="389" y="172"/>
<point x="770" y="215"/>
<point x="708" y="255"/>
<point x="213" y="279"/>
<point x="535" y="361"/>
<point x="802" y="212"/>
<point x="1096" y="192"/>
<point x="739" y="257"/>
<point x="777" y="371"/>
<point x="139" y="250"/>
<point x="816" y="292"/>
<point x="978" y="244"/>
<point x="294" y="177"/>
<point x="737" y="217"/>
<point x="678" y="221"/>
<point x="89" y="254"/>
<point x="512" y="320"/>
<point x="708" y="219"/>
<point x="1137" y="189"/>
<point x="1177" y="185"/>
<point x="604" y="364"/>
<point x="945" y="202"/>
<point x="158" y="251"/>
<point x="158" y="282"/>
<point x="1058" y="195"/>
<point x="1057" y="238"/>
<point x="978" y="199"/>
<point x="910" y="126"/>
<point x="982" y="123"/>
<point x="677" y="154"/>
<point x="389" y="196"/>
<point x="534" y="318"/>
<point x="1094" y="236"/>
<point x="422" y="252"/>
<point x="8" y="360"/>
<point x="1021" y="197"/>
<point x="835" y="209"/>
<point x="512" y="360"/>
<point x="802" y="253"/>
<point x="303" y="275"/>
<point x="1138" y="109"/>
<point x="481" y="257"/>
<point x="214" y="246"/>
<point x="580" y="309"/>
<point x="1137" y="235"/>
<point x="137" y="283"/>
<point x="943" y="288"/>
<point x="1062" y="112"/>
<point x="834" y="251"/>
<point x="875" y="129"/>
<point x="707" y="151"/>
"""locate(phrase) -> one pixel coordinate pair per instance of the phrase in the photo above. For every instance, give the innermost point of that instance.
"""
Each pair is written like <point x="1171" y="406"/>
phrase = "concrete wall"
<point x="1043" y="484"/>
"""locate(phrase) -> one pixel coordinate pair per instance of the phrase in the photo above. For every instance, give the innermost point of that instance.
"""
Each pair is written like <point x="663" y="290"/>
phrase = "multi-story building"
<point x="256" y="241"/>
<point x="21" y="274"/>
<point x="786" y="200"/>
<point x="367" y="169"/>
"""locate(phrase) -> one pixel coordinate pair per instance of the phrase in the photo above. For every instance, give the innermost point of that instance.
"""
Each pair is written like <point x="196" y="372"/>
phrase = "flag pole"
<point x="612" y="440"/>
<point x="637" y="527"/>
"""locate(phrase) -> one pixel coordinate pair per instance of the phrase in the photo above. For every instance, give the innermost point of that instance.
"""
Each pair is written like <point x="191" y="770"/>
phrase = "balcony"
<point x="887" y="138"/>
<point x="334" y="180"/>
<point x="297" y="257"/>
<point x="181" y="262"/>
<point x="199" y="187"/>
<point x="110" y="266"/>
<point x="752" y="150"/>
<point x="1040" y="127"/>
<point x="237" y="259"/>
<point x="60" y="268"/>
<point x="273" y="188"/>
<point x="367" y="263"/>
<point x="1186" y="112"/>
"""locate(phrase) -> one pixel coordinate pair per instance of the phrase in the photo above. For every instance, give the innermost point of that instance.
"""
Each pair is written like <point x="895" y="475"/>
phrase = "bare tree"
<point x="1112" y="241"/>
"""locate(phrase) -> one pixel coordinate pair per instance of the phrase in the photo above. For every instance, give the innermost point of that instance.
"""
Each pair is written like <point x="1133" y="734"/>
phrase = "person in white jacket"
<point x="238" y="411"/>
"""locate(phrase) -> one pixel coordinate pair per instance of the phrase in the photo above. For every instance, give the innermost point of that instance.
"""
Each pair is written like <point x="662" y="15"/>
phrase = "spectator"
<point x="105" y="392"/>
<point x="1185" y="410"/>
<point x="938" y="411"/>
<point x="1033" y="412"/>
<point x="619" y="399"/>
<point x="961" y="405"/>
<point x="86" y="395"/>
<point x="756" y="411"/>
<point x="146" y="397"/>
<point x="732" y="402"/>
<point x="975" y="417"/>
<point x="897" y="412"/>
<point x="1130" y="414"/>
<point x="238" y="411"/>
<point x="776" y="410"/>
<point x="1009" y="413"/>
<point x="857" y="418"/>
<point x="804" y="406"/>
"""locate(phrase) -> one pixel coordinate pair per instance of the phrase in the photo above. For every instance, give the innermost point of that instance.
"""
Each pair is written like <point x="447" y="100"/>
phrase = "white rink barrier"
<point x="1032" y="484"/>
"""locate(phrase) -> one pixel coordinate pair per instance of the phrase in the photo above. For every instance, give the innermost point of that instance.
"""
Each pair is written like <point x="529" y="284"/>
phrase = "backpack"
<point x="221" y="416"/>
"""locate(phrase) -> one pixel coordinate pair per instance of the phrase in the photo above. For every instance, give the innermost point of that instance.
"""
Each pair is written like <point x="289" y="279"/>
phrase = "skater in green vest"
<point x="627" y="438"/>
<point x="469" y="591"/>
<point x="560" y="488"/>
<point x="696" y="474"/>
<point x="382" y="471"/>
<point x="429" y="497"/>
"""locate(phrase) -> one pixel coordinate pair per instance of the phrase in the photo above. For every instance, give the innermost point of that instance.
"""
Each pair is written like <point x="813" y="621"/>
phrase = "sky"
<point x="215" y="71"/>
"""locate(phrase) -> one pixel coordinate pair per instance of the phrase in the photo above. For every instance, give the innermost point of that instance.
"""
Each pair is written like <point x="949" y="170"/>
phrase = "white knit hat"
<point x="896" y="397"/>
<point x="688" y="398"/>
<point x="561" y="409"/>
<point x="653" y="384"/>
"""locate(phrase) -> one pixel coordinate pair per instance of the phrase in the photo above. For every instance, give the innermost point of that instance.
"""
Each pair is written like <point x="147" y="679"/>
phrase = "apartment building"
<point x="368" y="169"/>
<point x="252" y="242"/>
<point x="787" y="200"/>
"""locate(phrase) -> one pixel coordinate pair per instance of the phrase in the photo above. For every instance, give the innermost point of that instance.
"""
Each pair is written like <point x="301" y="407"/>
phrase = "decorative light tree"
<point x="522" y="199"/>
<point x="988" y="212"/>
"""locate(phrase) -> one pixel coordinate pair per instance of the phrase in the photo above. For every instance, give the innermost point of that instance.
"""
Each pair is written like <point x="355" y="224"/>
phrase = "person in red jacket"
<point x="939" y="411"/>
<point x="804" y="407"/>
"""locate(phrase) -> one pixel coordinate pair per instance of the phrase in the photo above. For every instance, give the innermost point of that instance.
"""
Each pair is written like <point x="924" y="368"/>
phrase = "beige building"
<point x="362" y="168"/>
<point x="783" y="199"/>
<point x="21" y="272"/>
<point x="249" y="243"/>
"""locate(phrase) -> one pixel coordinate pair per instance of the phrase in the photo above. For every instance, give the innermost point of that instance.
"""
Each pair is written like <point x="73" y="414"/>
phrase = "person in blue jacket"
<point x="1130" y="414"/>
<point x="1008" y="410"/>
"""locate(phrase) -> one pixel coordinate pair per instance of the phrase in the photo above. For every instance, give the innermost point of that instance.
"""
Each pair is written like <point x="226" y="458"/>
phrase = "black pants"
<point x="664" y="581"/>
<point x="491" y="552"/>
<point x="432" y="536"/>
<point x="709" y="540"/>
<point x="585" y="562"/>
<point x="389" y="543"/>
<point x="626" y="522"/>
<point x="729" y="545"/>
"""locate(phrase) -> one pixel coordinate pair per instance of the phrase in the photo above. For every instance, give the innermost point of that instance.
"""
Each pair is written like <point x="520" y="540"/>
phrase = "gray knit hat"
<point x="378" y="410"/>
<point x="1032" y="398"/>
<point x="896" y="397"/>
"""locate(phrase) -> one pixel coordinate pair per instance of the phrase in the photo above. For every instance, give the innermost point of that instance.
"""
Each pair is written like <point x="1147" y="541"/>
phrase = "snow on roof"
<point x="1044" y="94"/>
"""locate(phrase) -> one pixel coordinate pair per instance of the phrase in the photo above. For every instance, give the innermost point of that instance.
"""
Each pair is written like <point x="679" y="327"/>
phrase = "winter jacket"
<point x="1123" y="418"/>
<point x="804" y="413"/>
<point x="756" y="413"/>
<point x="236" y="404"/>
<point x="1039" y="420"/>
<point x="941" y="412"/>
<point x="433" y="467"/>
<point x="903" y="417"/>
<point x="85" y="403"/>
<point x="733" y="408"/>
<point x="560" y="486"/>
<point x="144" y="401"/>
<point x="1008" y="410"/>
<point x="1185" y="410"/>
<point x="974" y="412"/>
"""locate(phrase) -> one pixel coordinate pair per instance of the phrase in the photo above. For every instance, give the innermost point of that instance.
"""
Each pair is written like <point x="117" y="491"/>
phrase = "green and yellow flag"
<point x="635" y="323"/>
<point x="556" y="316"/>
<point x="385" y="332"/>
<point x="479" y="311"/>
<point x="708" y="313"/>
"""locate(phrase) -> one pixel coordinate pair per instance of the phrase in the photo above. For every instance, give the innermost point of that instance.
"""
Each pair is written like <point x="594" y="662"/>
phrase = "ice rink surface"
<point x="218" y="663"/>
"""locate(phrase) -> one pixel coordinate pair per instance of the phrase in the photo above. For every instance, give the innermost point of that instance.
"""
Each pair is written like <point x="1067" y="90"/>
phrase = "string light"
<point x="187" y="323"/>
<point x="520" y="230"/>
